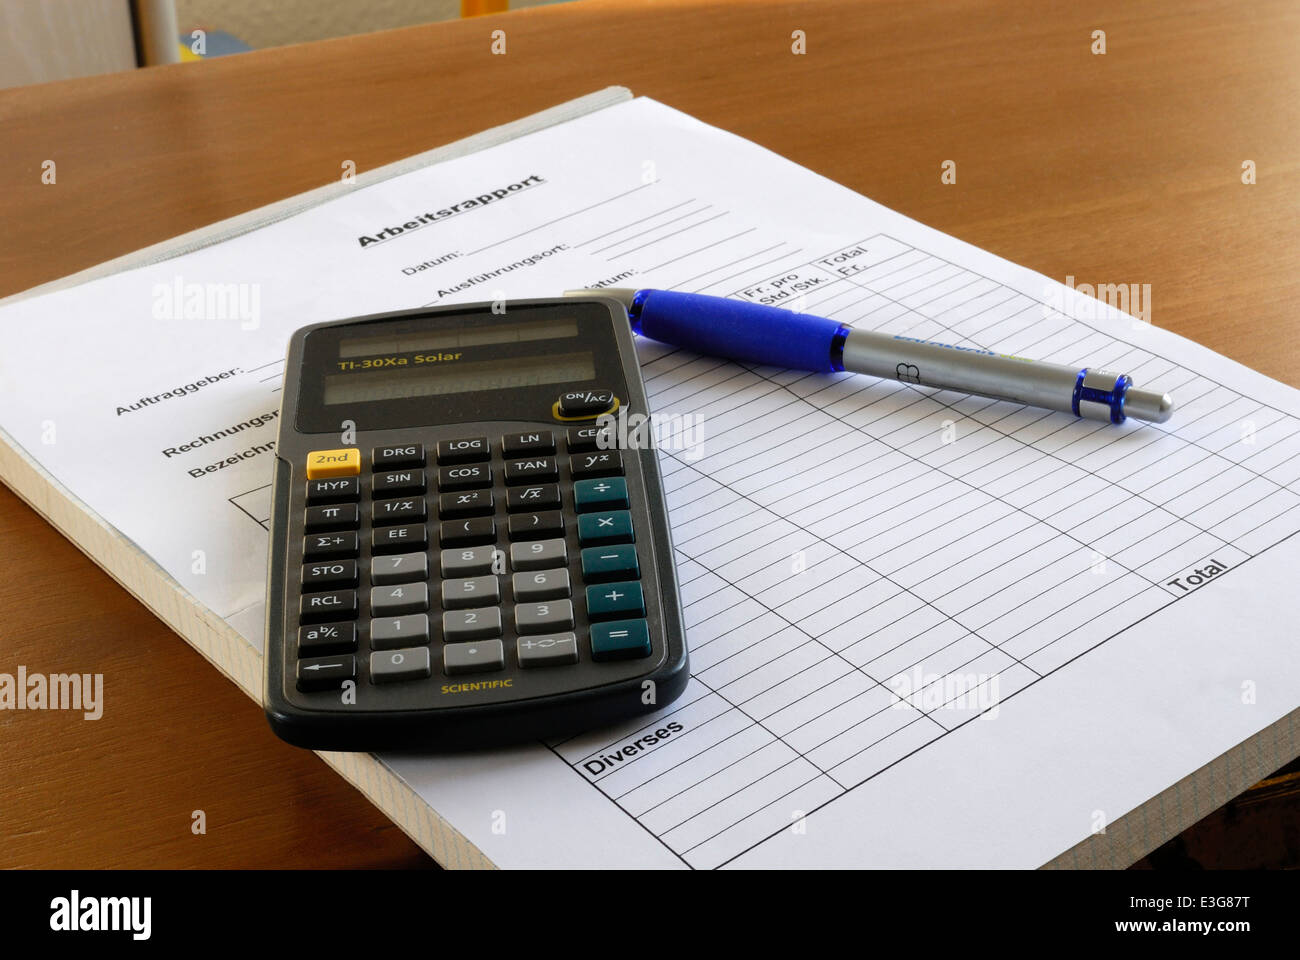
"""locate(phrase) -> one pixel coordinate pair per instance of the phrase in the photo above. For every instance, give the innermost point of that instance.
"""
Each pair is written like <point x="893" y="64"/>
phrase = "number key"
<point x="403" y="598"/>
<point x="551" y="616"/>
<point x="393" y="665"/>
<point x="538" y="555"/>
<point x="471" y="592"/>
<point x="536" y="585"/>
<point x="467" y="562"/>
<point x="399" y="568"/>
<point x="389" y="633"/>
<point x="459" y="626"/>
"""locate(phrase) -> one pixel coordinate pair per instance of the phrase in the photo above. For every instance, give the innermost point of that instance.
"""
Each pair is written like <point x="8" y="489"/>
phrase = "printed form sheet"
<point x="925" y="629"/>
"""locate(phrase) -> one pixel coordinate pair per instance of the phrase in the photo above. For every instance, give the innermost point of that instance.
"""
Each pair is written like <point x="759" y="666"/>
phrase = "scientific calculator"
<point x="462" y="552"/>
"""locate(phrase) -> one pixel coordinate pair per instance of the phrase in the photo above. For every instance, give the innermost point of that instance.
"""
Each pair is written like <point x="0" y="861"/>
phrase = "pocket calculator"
<point x="461" y="552"/>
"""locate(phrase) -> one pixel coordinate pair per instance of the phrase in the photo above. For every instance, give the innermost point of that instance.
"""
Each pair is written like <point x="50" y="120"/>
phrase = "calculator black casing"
<point x="541" y="704"/>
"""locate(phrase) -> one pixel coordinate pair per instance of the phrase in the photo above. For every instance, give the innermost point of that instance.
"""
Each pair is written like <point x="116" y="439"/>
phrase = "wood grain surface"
<point x="1117" y="168"/>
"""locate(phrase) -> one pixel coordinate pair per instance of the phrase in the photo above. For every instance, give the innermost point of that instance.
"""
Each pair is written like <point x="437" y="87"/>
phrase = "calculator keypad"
<point x="463" y="561"/>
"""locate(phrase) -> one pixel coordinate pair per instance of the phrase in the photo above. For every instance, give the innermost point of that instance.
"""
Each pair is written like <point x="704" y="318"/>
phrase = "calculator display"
<point x="439" y="379"/>
<point x="466" y="336"/>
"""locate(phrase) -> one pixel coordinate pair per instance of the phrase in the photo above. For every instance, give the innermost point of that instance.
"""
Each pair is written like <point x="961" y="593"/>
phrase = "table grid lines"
<point x="795" y="681"/>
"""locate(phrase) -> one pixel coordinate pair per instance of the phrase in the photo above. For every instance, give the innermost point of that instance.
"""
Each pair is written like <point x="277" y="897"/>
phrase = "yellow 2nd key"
<point x="333" y="463"/>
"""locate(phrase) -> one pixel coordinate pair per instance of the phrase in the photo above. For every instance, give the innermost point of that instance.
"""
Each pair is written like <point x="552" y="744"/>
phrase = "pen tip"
<point x="1148" y="406"/>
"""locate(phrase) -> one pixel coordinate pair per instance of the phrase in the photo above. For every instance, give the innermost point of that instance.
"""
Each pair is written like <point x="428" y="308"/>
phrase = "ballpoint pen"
<point x="740" y="330"/>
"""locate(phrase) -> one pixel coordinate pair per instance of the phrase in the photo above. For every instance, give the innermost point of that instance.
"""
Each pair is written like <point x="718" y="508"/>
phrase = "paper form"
<point x="924" y="628"/>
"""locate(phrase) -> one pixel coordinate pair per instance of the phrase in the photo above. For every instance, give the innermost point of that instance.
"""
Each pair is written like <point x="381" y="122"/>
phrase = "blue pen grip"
<point x="739" y="330"/>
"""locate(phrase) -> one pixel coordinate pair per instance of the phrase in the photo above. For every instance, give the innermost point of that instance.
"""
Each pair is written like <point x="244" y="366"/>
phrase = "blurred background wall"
<point x="272" y="23"/>
<point x="43" y="40"/>
<point x="55" y="39"/>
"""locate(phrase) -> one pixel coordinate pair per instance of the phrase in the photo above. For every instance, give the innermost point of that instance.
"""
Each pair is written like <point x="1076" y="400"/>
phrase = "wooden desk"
<point x="1120" y="168"/>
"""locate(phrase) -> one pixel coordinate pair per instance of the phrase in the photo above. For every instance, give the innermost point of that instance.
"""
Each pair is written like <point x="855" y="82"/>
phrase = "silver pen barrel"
<point x="1092" y="394"/>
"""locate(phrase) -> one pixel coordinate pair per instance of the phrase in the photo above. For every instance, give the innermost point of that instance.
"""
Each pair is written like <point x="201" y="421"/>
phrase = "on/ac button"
<point x="333" y="463"/>
<point x="584" y="404"/>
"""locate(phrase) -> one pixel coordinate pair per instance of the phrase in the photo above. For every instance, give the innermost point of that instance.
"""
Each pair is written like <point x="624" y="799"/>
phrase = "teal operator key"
<point x="614" y="601"/>
<point x="605" y="493"/>
<point x="620" y="640"/>
<point x="606" y="526"/>
<point x="610" y="563"/>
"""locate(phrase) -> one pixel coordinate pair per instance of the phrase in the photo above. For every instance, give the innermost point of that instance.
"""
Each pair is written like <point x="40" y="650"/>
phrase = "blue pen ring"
<point x="1122" y="383"/>
<point x="837" y="348"/>
<point x="1113" y="398"/>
